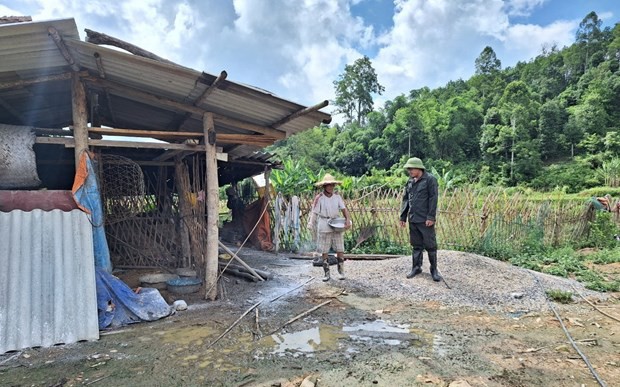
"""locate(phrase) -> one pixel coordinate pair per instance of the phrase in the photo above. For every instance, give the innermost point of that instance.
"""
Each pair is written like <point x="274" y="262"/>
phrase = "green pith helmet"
<point x="414" y="162"/>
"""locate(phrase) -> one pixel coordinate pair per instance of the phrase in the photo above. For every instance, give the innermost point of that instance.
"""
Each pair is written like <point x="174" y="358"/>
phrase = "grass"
<point x="560" y="296"/>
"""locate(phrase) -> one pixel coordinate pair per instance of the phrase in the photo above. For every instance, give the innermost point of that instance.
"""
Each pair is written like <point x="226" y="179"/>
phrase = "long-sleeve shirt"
<point x="419" y="202"/>
<point x="325" y="208"/>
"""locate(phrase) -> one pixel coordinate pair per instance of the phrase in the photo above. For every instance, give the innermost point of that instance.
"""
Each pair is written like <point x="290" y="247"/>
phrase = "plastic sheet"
<point x="119" y="305"/>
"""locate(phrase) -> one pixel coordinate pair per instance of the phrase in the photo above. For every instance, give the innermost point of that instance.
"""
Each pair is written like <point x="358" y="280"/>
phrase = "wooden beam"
<point x="69" y="142"/>
<point x="300" y="113"/>
<point x="95" y="37"/>
<point x="216" y="83"/>
<point x="144" y="133"/>
<point x="247" y="139"/>
<point x="146" y="163"/>
<point x="80" y="117"/>
<point x="127" y="92"/>
<point x="53" y="33"/>
<point x="99" y="64"/>
<point x="32" y="81"/>
<point x="212" y="195"/>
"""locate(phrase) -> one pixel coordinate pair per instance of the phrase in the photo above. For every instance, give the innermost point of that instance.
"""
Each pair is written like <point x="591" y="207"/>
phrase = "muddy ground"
<point x="360" y="338"/>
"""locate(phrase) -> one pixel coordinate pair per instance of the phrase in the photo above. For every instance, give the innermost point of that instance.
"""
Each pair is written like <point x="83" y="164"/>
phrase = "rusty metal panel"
<point x="47" y="279"/>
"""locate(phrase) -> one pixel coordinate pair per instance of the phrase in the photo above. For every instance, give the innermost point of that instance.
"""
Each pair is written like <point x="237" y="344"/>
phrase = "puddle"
<point x="381" y="331"/>
<point x="194" y="335"/>
<point x="440" y="347"/>
<point x="322" y="337"/>
<point x="326" y="337"/>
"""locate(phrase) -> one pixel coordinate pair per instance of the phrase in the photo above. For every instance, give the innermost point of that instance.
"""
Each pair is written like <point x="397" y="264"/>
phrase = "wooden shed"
<point x="187" y="133"/>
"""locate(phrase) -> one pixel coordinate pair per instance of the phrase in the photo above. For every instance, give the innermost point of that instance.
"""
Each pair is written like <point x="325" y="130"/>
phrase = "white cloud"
<point x="434" y="41"/>
<point x="523" y="7"/>
<point x="296" y="49"/>
<point x="527" y="40"/>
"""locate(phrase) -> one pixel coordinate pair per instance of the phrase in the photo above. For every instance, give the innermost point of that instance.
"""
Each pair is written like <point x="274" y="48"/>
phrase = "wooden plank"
<point x="353" y="257"/>
<point x="68" y="142"/>
<point x="277" y="134"/>
<point x="144" y="133"/>
<point x="33" y="81"/>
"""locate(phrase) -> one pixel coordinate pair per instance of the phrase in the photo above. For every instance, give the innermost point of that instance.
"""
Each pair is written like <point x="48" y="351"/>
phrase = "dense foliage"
<point x="551" y="123"/>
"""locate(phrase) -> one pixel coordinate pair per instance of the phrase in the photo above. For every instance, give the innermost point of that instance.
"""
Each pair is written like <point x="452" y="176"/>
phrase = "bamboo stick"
<point x="233" y="324"/>
<point x="301" y="315"/>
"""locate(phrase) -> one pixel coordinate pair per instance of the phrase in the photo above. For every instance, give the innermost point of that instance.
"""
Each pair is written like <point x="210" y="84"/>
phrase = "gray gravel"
<point x="476" y="282"/>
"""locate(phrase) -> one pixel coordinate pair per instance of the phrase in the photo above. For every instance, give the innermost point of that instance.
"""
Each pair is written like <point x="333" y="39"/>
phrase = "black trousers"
<point x="422" y="237"/>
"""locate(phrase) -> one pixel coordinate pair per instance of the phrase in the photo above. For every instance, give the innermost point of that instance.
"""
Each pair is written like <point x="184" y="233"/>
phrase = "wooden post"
<point x="80" y="117"/>
<point x="212" y="197"/>
<point x="181" y="177"/>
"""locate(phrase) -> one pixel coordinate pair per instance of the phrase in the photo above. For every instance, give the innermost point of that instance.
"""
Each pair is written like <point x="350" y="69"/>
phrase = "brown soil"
<point x="360" y="338"/>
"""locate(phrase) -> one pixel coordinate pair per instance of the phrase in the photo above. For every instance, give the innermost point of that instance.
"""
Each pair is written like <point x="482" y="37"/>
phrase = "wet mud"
<point x="358" y="339"/>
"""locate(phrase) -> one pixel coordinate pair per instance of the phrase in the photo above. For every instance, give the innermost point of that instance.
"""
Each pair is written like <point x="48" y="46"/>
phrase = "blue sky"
<point x="297" y="48"/>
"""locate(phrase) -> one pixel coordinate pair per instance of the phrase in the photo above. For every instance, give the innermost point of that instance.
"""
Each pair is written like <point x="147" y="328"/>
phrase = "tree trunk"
<point x="212" y="197"/>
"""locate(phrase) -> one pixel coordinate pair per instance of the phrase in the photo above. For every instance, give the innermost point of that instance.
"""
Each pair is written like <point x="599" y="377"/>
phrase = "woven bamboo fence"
<point x="467" y="220"/>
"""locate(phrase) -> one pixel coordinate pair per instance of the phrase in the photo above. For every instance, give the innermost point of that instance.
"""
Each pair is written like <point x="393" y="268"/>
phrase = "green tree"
<point x="487" y="63"/>
<point x="354" y="89"/>
<point x="589" y="38"/>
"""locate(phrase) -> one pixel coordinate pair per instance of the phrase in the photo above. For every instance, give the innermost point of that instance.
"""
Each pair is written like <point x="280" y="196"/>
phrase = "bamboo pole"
<point x="212" y="196"/>
<point x="236" y="257"/>
<point x="233" y="325"/>
<point x="300" y="316"/>
<point x="80" y="117"/>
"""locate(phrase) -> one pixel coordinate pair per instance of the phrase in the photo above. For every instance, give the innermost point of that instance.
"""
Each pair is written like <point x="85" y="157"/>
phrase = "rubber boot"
<point x="326" y="269"/>
<point x="340" y="268"/>
<point x="417" y="263"/>
<point x="432" y="257"/>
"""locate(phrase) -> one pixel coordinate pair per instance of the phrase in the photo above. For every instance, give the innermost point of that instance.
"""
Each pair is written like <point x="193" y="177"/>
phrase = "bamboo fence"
<point x="467" y="219"/>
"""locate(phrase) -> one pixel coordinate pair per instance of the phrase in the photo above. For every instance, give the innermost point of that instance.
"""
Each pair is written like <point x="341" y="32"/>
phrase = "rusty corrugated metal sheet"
<point x="47" y="279"/>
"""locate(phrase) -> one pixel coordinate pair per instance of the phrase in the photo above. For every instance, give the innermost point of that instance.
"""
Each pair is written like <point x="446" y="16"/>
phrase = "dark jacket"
<point x="420" y="199"/>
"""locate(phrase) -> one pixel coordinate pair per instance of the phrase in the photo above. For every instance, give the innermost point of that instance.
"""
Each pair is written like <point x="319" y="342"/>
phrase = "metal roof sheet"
<point x="47" y="280"/>
<point x="27" y="52"/>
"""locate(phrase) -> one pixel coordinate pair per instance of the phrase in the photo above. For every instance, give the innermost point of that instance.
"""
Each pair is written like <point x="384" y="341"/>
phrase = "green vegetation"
<point x="560" y="296"/>
<point x="547" y="129"/>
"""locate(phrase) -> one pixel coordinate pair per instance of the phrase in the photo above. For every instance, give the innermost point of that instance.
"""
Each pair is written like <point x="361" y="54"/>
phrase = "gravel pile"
<point x="476" y="282"/>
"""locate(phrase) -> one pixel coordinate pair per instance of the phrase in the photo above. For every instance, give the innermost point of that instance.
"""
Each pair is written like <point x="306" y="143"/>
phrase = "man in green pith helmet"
<point x="419" y="207"/>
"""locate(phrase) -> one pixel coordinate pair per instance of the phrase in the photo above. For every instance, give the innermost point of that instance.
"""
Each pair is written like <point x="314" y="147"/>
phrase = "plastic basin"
<point x="184" y="285"/>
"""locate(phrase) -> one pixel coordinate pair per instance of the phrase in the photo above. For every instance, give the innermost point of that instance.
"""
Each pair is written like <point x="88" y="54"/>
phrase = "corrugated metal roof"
<point x="26" y="51"/>
<point x="47" y="279"/>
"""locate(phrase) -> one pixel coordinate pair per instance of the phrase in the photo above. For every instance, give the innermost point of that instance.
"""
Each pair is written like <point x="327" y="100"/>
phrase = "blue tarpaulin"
<point x="88" y="198"/>
<point x="119" y="305"/>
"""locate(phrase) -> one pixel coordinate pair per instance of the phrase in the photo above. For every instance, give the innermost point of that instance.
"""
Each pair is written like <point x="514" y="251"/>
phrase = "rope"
<point x="239" y="249"/>
<point x="567" y="333"/>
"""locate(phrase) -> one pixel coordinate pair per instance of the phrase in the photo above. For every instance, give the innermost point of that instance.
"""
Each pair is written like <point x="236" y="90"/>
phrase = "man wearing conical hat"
<point x="326" y="208"/>
<point x="419" y="208"/>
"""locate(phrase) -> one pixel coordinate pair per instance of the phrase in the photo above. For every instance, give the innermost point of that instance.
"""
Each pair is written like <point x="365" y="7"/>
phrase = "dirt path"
<point x="363" y="337"/>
